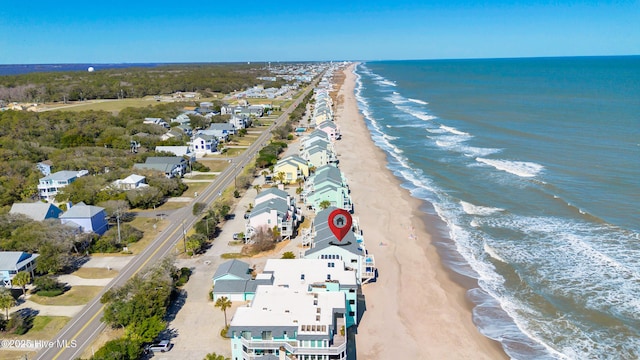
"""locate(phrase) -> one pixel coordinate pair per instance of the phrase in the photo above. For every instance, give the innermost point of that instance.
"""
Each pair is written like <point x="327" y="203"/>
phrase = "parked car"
<point x="162" y="346"/>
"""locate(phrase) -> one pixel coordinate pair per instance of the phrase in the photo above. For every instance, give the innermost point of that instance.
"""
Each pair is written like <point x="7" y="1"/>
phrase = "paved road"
<point x="85" y="326"/>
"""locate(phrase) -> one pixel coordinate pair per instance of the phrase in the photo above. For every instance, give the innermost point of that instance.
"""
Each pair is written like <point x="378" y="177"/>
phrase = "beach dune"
<point x="414" y="310"/>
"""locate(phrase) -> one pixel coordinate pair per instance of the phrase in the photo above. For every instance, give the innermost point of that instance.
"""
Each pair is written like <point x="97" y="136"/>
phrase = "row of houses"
<point x="321" y="290"/>
<point x="321" y="287"/>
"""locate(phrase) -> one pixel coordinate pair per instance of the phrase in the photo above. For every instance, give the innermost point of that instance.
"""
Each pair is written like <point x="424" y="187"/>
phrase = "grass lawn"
<point x="146" y="225"/>
<point x="199" y="177"/>
<point x="214" y="165"/>
<point x="172" y="205"/>
<point x="107" y="105"/>
<point x="95" y="273"/>
<point x="78" y="295"/>
<point x="195" y="187"/>
<point x="44" y="328"/>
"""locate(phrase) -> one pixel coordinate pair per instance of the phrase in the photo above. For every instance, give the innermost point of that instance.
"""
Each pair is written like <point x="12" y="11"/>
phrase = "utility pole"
<point x="118" y="222"/>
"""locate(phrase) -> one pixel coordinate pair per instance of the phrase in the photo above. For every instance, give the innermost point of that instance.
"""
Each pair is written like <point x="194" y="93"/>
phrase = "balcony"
<point x="292" y="348"/>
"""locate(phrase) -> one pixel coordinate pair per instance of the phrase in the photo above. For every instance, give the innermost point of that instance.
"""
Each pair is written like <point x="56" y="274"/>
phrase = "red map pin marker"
<point x="340" y="223"/>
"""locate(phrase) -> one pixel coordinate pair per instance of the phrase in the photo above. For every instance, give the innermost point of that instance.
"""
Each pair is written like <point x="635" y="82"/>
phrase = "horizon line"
<point x="317" y="61"/>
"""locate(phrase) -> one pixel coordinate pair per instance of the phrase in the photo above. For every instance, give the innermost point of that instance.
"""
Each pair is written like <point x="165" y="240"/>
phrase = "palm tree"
<point x="324" y="204"/>
<point x="280" y="177"/>
<point x="300" y="182"/>
<point x="258" y="188"/>
<point x="6" y="301"/>
<point x="223" y="303"/>
<point x="265" y="173"/>
<point x="22" y="279"/>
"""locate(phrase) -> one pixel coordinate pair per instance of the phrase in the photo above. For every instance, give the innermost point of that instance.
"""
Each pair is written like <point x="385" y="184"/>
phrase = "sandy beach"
<point x="414" y="310"/>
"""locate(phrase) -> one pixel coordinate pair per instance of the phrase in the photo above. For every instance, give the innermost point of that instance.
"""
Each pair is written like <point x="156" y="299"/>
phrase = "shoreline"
<point x="429" y="315"/>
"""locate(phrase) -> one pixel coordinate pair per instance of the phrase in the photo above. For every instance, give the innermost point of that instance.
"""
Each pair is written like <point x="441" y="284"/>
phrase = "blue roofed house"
<point x="37" y="211"/>
<point x="12" y="262"/>
<point x="88" y="218"/>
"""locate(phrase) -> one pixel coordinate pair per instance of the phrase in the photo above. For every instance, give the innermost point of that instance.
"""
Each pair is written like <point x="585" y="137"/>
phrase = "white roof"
<point x="288" y="272"/>
<point x="268" y="308"/>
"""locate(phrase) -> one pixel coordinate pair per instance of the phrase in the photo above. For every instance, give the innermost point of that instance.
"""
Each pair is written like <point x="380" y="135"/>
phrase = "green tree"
<point x="214" y="356"/>
<point x="6" y="301"/>
<point x="223" y="303"/>
<point x="257" y="188"/>
<point x="288" y="255"/>
<point x="121" y="349"/>
<point x="22" y="279"/>
<point x="324" y="204"/>
<point x="146" y="330"/>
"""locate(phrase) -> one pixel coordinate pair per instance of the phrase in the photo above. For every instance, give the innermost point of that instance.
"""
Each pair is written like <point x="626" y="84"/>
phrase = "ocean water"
<point x="534" y="167"/>
<point x="17" y="69"/>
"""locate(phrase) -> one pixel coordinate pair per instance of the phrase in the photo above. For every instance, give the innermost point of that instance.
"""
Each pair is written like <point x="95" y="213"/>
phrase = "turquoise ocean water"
<point x="534" y="167"/>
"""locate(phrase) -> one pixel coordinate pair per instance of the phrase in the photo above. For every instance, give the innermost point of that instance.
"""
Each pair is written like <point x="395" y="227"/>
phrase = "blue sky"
<point x="116" y="31"/>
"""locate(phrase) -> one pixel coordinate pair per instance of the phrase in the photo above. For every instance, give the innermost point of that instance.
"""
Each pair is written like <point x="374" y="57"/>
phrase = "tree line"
<point x="131" y="82"/>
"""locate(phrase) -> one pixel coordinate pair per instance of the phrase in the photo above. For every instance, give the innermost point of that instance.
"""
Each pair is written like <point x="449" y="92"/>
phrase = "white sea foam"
<point x="387" y="82"/>
<point x="453" y="130"/>
<point x="520" y="168"/>
<point x="478" y="210"/>
<point x="436" y="131"/>
<point x="489" y="250"/>
<point x="418" y="101"/>
<point x="416" y="113"/>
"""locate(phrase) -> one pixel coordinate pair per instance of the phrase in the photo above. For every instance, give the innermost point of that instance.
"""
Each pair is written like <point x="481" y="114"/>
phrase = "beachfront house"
<point x="50" y="185"/>
<point x="308" y="325"/>
<point x="317" y="275"/>
<point x="331" y="129"/>
<point x="37" y="211"/>
<point x="12" y="262"/>
<point x="87" y="218"/>
<point x="327" y="184"/>
<point x="293" y="167"/>
<point x="351" y="249"/>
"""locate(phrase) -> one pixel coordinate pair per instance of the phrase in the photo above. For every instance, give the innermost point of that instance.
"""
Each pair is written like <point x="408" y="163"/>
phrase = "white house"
<point x="50" y="185"/>
<point x="308" y="325"/>
<point x="203" y="144"/>
<point x="131" y="182"/>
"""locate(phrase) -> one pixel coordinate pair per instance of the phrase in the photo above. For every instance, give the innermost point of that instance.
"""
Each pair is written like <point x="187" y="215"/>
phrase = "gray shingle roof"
<point x="61" y="175"/>
<point x="277" y="204"/>
<point x="233" y="267"/>
<point x="324" y="236"/>
<point x="82" y="211"/>
<point x="37" y="211"/>
<point x="11" y="260"/>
